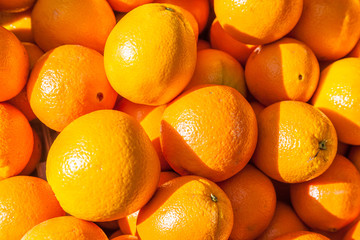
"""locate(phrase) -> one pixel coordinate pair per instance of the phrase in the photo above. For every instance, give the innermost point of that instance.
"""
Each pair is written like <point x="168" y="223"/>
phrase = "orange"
<point x="131" y="48"/>
<point x="16" y="141"/>
<point x="115" y="234"/>
<point x="296" y="142"/>
<point x="126" y="237"/>
<point x="217" y="67"/>
<point x="127" y="5"/>
<point x="302" y="235"/>
<point x="284" y="70"/>
<point x="14" y="65"/>
<point x="188" y="207"/>
<point x="209" y="131"/>
<point x="35" y="156"/>
<point x="338" y="96"/>
<point x="353" y="232"/>
<point x="199" y="9"/>
<point x="149" y="117"/>
<point x="354" y="156"/>
<point x="25" y="202"/>
<point x="257" y="107"/>
<point x="102" y="166"/>
<point x="253" y="199"/>
<point x="68" y="82"/>
<point x="167" y="176"/>
<point x="330" y="28"/>
<point x="330" y="201"/>
<point x="223" y="41"/>
<point x="66" y="227"/>
<point x="258" y="22"/>
<point x="355" y="52"/>
<point x="34" y="53"/>
<point x="19" y="24"/>
<point x="202" y="44"/>
<point x="84" y="22"/>
<point x="284" y="221"/>
<point x="16" y="5"/>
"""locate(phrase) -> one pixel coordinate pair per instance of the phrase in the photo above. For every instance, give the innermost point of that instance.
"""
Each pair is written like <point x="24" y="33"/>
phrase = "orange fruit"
<point x="355" y="52"/>
<point x="18" y="23"/>
<point x="296" y="142"/>
<point x="302" y="235"/>
<point x="16" y="5"/>
<point x="14" y="65"/>
<point x="217" y="67"/>
<point x="34" y="53"/>
<point x="257" y="108"/>
<point x="284" y="70"/>
<point x="188" y="207"/>
<point x="255" y="22"/>
<point x="209" y="131"/>
<point x="35" y="156"/>
<point x="167" y="176"/>
<point x="102" y="166"/>
<point x="66" y="227"/>
<point x="21" y="102"/>
<point x="131" y="48"/>
<point x="126" y="237"/>
<point x="284" y="221"/>
<point x="199" y="9"/>
<point x="149" y="117"/>
<point x="330" y="201"/>
<point x="127" y="5"/>
<point x="223" y="41"/>
<point x="338" y="96"/>
<point x="202" y="44"/>
<point x="354" y="156"/>
<point x="16" y="141"/>
<point x="67" y="82"/>
<point x="353" y="232"/>
<point x="115" y="234"/>
<point x="25" y="202"/>
<point x="330" y="28"/>
<point x="84" y="22"/>
<point x="253" y="199"/>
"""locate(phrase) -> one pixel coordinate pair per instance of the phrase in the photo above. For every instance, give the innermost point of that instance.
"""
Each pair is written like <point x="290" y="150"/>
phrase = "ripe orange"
<point x="355" y="52"/>
<point x="115" y="234"/>
<point x="217" y="67"/>
<point x="253" y="199"/>
<point x="18" y="23"/>
<point x="223" y="41"/>
<point x="84" y="22"/>
<point x="188" y="207"/>
<point x="16" y="5"/>
<point x="14" y="65"/>
<point x="127" y="5"/>
<point x="353" y="232"/>
<point x="66" y="227"/>
<point x="126" y="237"/>
<point x="209" y="131"/>
<point x="330" y="201"/>
<point x="338" y="96"/>
<point x="257" y="108"/>
<point x="102" y="166"/>
<point x="35" y="156"/>
<point x="330" y="28"/>
<point x="258" y="22"/>
<point x="131" y="48"/>
<point x="68" y="82"/>
<point x="25" y="202"/>
<point x="202" y="44"/>
<point x="284" y="70"/>
<point x="34" y="53"/>
<point x="302" y="235"/>
<point x="354" y="156"/>
<point x="284" y="221"/>
<point x="296" y="142"/>
<point x="167" y="176"/>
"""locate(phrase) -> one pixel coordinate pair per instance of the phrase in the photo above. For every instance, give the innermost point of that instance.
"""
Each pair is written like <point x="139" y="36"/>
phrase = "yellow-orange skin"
<point x="35" y="156"/>
<point x="127" y="5"/>
<point x="34" y="53"/>
<point x="257" y="107"/>
<point x="84" y="22"/>
<point x="65" y="84"/>
<point x="353" y="232"/>
<point x="338" y="96"/>
<point x="330" y="201"/>
<point x="167" y="176"/>
<point x="67" y="227"/>
<point x="258" y="22"/>
<point x="102" y="166"/>
<point x="126" y="237"/>
<point x="188" y="207"/>
<point x="151" y="63"/>
<point x="18" y="23"/>
<point x="209" y="131"/>
<point x="331" y="28"/>
<point x="284" y="70"/>
<point x="25" y="202"/>
<point x="302" y="235"/>
<point x="16" y="5"/>
<point x="354" y="156"/>
<point x="115" y="234"/>
<point x="290" y="135"/>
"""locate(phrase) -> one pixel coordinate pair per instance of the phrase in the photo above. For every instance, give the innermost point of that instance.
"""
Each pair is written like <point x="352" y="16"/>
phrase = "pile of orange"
<point x="179" y="119"/>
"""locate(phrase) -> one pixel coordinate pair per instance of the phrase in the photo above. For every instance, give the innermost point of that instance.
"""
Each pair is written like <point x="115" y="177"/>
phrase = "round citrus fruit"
<point x="302" y="235"/>
<point x="34" y="53"/>
<point x="16" y="5"/>
<point x="35" y="156"/>
<point x="353" y="232"/>
<point x="127" y="5"/>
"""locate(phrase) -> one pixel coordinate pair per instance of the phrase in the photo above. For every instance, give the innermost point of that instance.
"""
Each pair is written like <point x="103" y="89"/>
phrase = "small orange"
<point x="253" y="199"/>
<point x="258" y="22"/>
<point x="131" y="48"/>
<point x="34" y="53"/>
<point x="338" y="96"/>
<point x="330" y="201"/>
<point x="115" y="234"/>
<point x="296" y="142"/>
<point x="14" y="65"/>
<point x="84" y="22"/>
<point x="354" y="156"/>
<point x="25" y="202"/>
<point x="217" y="67"/>
<point x="257" y="107"/>
<point x="66" y="227"/>
<point x="167" y="176"/>
<point x="354" y="232"/>
<point x="127" y="5"/>
<point x="302" y="235"/>
<point x="16" y="5"/>
<point x="284" y="70"/>
<point x="35" y="156"/>
<point x="330" y="28"/>
<point x="102" y="166"/>
<point x="19" y="24"/>
<point x="210" y="131"/>
<point x="67" y="82"/>
<point x="284" y="221"/>
<point x="223" y="41"/>
<point x="188" y="207"/>
<point x="126" y="237"/>
<point x="203" y="44"/>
